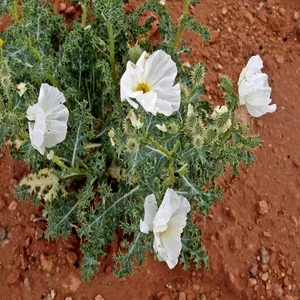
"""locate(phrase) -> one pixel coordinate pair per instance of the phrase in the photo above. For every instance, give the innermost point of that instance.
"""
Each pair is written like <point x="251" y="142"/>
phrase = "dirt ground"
<point x="252" y="237"/>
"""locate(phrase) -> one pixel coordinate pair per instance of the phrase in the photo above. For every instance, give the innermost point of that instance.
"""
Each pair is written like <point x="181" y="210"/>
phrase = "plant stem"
<point x="112" y="51"/>
<point x="159" y="147"/>
<point x="84" y="14"/>
<point x="167" y="153"/>
<point x="15" y="14"/>
<point x="58" y="162"/>
<point x="181" y="25"/>
<point x="35" y="52"/>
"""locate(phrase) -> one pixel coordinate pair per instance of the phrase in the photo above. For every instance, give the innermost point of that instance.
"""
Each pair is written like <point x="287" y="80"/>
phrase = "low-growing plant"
<point x="99" y="163"/>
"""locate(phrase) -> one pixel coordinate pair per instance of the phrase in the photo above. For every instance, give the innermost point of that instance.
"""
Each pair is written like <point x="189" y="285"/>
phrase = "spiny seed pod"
<point x="198" y="73"/>
<point x="198" y="127"/>
<point x="222" y="120"/>
<point x="210" y="135"/>
<point x="173" y="127"/>
<point x="219" y="167"/>
<point x="134" y="52"/>
<point x="5" y="74"/>
<point x="198" y="141"/>
<point x="132" y="145"/>
<point x="134" y="177"/>
<point x="126" y="126"/>
<point x="190" y="122"/>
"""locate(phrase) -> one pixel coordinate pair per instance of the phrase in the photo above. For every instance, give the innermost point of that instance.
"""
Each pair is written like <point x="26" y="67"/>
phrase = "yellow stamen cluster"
<point x="144" y="87"/>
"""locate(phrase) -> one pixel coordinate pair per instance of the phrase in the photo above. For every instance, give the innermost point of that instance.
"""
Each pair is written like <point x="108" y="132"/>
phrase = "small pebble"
<point x="265" y="277"/>
<point x="62" y="7"/>
<point x="279" y="58"/>
<point x="27" y="284"/>
<point x="13" y="206"/>
<point x="282" y="11"/>
<point x="252" y="282"/>
<point x="182" y="296"/>
<point x="70" y="10"/>
<point x="99" y="297"/>
<point x="52" y="294"/>
<point x="2" y="234"/>
<point x="71" y="257"/>
<point x="264" y="256"/>
<point x="263" y="207"/>
<point x="278" y="291"/>
<point x="254" y="270"/>
<point x="2" y="203"/>
<point x="296" y="16"/>
<point x="13" y="276"/>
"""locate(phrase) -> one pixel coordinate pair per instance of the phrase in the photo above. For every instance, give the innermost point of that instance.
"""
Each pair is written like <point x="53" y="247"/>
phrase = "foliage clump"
<point x="95" y="182"/>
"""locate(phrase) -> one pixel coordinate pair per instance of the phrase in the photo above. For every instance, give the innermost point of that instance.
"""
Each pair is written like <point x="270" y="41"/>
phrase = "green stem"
<point x="84" y="14"/>
<point x="58" y="162"/>
<point x="15" y="14"/>
<point x="112" y="51"/>
<point x="168" y="155"/>
<point x="181" y="25"/>
<point x="35" y="52"/>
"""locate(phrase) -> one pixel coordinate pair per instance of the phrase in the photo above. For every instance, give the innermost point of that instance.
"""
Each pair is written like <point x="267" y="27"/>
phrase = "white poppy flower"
<point x="254" y="90"/>
<point x="134" y="119"/>
<point x="150" y="82"/>
<point x="219" y="111"/>
<point x="167" y="224"/>
<point x="21" y="88"/>
<point x="48" y="119"/>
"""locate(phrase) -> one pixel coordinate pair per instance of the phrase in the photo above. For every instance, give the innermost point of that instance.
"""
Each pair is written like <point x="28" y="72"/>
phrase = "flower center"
<point x="143" y="86"/>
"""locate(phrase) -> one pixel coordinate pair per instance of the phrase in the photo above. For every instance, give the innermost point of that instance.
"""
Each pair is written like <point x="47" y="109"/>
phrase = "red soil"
<point x="261" y="208"/>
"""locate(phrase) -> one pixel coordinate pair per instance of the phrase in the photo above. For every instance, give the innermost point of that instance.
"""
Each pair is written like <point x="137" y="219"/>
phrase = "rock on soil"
<point x="264" y="256"/>
<point x="252" y="282"/>
<point x="278" y="291"/>
<point x="263" y="207"/>
<point x="13" y="276"/>
<point x="72" y="283"/>
<point x="46" y="263"/>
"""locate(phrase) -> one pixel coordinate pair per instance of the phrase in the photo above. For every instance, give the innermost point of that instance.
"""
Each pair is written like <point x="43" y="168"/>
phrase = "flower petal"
<point x="254" y="66"/>
<point x="150" y="207"/>
<point x="254" y="89"/>
<point x="148" y="102"/>
<point x="168" y="248"/>
<point x="50" y="97"/>
<point x="258" y="111"/>
<point x="158" y="67"/>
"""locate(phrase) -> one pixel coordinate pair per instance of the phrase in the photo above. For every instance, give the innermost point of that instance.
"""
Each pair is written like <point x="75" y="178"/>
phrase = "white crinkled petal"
<point x="37" y="130"/>
<point x="258" y="111"/>
<point x="254" y="89"/>
<point x="163" y="215"/>
<point x="148" y="101"/>
<point x="159" y="66"/>
<point x="129" y="81"/>
<point x="50" y="117"/>
<point x="150" y="207"/>
<point x="56" y="133"/>
<point x="254" y="66"/>
<point x="40" y="148"/>
<point x="50" y="97"/>
<point x="167" y="246"/>
<point x="254" y="83"/>
<point x="170" y="95"/>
